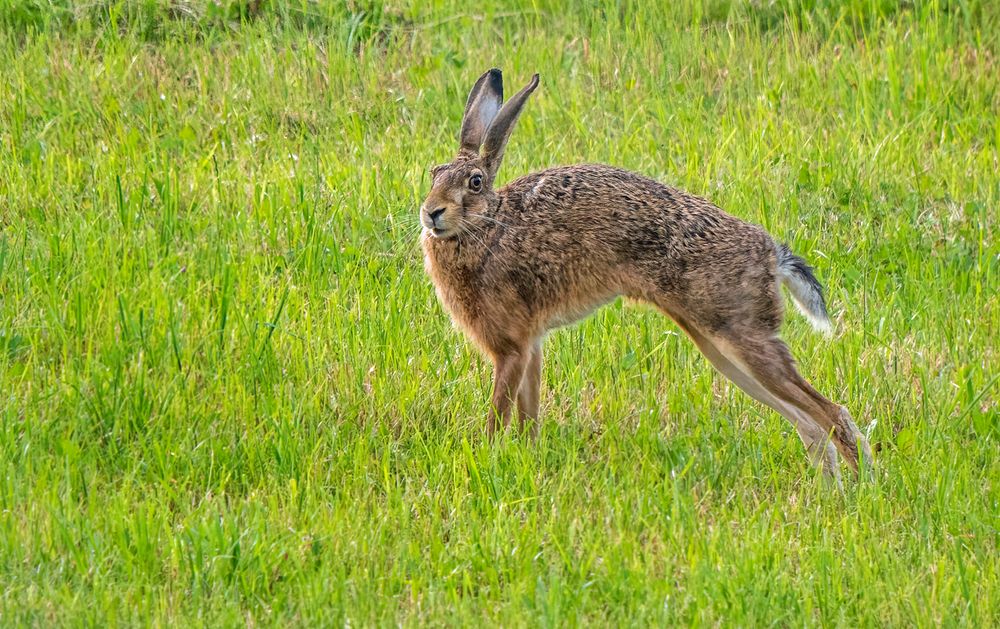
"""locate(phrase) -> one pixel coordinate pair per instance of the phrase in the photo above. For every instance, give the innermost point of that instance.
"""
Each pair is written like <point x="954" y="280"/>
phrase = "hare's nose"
<point x="436" y="214"/>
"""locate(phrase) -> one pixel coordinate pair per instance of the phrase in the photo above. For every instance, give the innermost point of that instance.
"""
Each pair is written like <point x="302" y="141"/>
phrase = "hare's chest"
<point x="456" y="287"/>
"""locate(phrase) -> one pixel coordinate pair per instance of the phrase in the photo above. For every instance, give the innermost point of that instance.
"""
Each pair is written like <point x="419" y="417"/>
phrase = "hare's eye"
<point x="476" y="182"/>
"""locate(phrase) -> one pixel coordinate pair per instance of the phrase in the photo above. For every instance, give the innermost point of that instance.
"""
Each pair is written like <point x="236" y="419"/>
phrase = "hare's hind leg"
<point x="529" y="392"/>
<point x="766" y="359"/>
<point x="822" y="453"/>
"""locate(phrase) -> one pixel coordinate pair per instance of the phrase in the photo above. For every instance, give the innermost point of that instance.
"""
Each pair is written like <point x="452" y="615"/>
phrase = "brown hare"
<point x="550" y="247"/>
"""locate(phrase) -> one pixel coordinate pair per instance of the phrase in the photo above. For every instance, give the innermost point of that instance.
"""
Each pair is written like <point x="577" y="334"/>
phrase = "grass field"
<point x="228" y="394"/>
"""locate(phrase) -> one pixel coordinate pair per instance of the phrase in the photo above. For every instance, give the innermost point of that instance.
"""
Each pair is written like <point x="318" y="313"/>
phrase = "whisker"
<point x="411" y="238"/>
<point x="501" y="223"/>
<point x="407" y="219"/>
<point x="466" y="231"/>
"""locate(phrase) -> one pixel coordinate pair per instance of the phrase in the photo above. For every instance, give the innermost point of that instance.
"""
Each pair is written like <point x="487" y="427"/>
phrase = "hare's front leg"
<point x="508" y="370"/>
<point x="528" y="394"/>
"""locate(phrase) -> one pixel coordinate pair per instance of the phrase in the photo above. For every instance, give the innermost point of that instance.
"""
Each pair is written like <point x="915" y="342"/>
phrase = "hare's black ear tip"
<point x="495" y="78"/>
<point x="534" y="81"/>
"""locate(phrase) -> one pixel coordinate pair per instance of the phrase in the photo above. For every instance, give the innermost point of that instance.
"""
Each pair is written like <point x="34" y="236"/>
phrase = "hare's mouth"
<point x="443" y="233"/>
<point x="438" y="232"/>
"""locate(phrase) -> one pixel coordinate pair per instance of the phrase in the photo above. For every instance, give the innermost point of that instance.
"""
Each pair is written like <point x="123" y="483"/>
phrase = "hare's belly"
<point x="577" y="310"/>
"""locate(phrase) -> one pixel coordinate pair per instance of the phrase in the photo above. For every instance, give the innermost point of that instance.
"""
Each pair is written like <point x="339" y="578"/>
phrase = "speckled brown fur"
<point x="550" y="247"/>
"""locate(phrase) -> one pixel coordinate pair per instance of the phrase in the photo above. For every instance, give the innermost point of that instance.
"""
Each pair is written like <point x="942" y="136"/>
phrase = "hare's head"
<point x="464" y="188"/>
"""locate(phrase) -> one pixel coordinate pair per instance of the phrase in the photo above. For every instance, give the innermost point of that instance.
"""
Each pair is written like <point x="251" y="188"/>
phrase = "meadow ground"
<point x="228" y="394"/>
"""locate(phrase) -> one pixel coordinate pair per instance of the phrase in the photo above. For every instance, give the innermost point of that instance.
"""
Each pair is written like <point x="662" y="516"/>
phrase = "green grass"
<point x="229" y="396"/>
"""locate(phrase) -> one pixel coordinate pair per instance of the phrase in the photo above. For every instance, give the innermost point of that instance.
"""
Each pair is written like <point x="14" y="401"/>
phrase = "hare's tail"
<point x="807" y="292"/>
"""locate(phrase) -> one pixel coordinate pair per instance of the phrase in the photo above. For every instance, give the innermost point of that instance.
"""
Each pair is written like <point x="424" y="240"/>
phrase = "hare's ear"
<point x="480" y="110"/>
<point x="499" y="131"/>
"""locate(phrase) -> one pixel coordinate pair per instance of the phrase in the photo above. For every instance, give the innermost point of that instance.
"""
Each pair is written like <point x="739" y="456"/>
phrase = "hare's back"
<point x="622" y="207"/>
